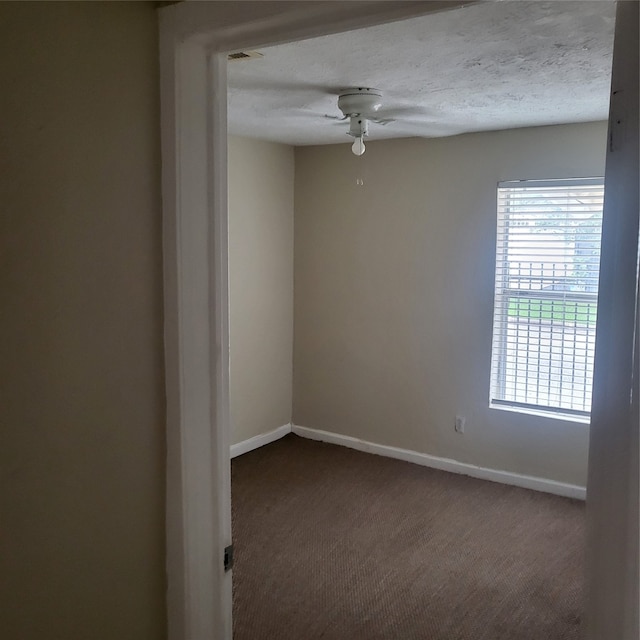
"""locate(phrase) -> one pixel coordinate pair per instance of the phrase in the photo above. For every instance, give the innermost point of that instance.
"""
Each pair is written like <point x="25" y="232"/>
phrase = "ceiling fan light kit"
<point x="358" y="128"/>
<point x="360" y="106"/>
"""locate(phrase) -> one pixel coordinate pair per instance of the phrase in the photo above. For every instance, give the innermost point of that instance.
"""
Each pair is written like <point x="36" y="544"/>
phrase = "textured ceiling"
<point x="487" y="66"/>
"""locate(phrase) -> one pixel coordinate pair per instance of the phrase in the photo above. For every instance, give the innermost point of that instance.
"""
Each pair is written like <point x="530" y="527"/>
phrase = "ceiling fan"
<point x="360" y="105"/>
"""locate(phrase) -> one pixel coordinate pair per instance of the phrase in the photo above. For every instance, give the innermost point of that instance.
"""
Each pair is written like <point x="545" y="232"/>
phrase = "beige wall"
<point x="394" y="294"/>
<point x="260" y="285"/>
<point x="81" y="388"/>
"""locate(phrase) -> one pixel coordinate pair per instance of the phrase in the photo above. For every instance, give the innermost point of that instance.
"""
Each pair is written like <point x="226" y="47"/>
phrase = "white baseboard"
<point x="259" y="441"/>
<point x="445" y="464"/>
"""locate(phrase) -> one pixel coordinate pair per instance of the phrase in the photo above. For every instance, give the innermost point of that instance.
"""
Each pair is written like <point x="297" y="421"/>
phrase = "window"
<point x="547" y="266"/>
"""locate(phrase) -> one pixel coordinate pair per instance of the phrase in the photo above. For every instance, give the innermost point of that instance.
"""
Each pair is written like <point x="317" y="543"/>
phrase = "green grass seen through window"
<point x="558" y="310"/>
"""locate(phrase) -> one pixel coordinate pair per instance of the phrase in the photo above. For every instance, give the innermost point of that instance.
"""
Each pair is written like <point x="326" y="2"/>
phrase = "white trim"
<point x="198" y="504"/>
<point x="550" y="415"/>
<point x="259" y="441"/>
<point x="612" y="597"/>
<point x="445" y="464"/>
<point x="218" y="241"/>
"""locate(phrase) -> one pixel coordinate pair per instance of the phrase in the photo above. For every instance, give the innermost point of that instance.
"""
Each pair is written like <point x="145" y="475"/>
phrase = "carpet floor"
<point x="336" y="544"/>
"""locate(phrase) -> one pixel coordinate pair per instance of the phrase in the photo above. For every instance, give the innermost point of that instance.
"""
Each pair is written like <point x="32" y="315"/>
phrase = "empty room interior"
<point x="415" y="213"/>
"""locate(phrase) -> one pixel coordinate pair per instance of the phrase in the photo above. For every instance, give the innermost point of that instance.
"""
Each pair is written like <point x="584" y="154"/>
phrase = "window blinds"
<point x="546" y="290"/>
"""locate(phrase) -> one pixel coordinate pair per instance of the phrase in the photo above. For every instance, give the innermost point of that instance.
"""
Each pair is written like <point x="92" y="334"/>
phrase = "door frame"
<point x="194" y="40"/>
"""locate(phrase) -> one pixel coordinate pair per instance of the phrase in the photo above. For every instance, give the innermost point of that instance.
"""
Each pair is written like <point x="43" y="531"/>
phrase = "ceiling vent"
<point x="243" y="55"/>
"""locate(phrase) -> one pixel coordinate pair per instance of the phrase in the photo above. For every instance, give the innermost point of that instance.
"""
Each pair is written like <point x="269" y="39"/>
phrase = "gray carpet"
<point x="336" y="544"/>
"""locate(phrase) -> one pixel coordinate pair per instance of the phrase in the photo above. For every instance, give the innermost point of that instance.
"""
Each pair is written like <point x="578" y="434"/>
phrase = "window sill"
<point x="551" y="415"/>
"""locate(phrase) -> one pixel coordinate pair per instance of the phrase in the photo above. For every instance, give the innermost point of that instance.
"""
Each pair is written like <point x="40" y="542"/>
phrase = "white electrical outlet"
<point x="460" y="422"/>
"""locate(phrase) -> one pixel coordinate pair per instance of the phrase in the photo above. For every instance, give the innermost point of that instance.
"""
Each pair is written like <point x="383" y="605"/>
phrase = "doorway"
<point x="194" y="180"/>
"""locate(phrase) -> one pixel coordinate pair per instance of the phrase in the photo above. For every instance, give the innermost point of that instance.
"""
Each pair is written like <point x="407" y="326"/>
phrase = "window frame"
<point x="500" y="312"/>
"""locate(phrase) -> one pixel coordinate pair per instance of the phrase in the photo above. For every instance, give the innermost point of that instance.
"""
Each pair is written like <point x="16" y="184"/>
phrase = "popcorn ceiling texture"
<point x="481" y="67"/>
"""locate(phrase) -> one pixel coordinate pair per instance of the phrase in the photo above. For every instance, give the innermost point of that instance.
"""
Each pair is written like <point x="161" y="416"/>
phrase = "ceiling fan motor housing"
<point x="360" y="101"/>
